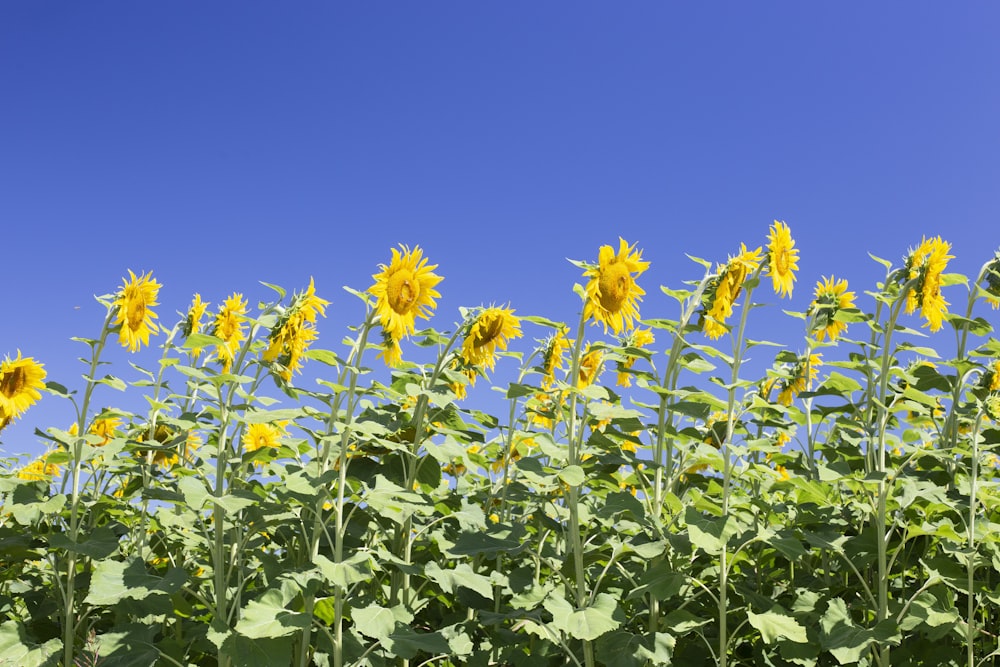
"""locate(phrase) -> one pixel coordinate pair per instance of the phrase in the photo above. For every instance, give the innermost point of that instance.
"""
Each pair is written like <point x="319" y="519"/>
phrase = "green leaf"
<point x="246" y="652"/>
<point x="572" y="475"/>
<point x="774" y="624"/>
<point x="378" y="622"/>
<point x="113" y="581"/>
<point x="660" y="581"/>
<point x="841" y="637"/>
<point x="587" y="623"/>
<point x="354" y="570"/>
<point x="495" y="541"/>
<point x="462" y="575"/>
<point x="15" y="649"/>
<point x="406" y="643"/>
<point x="101" y="543"/>
<point x="267" y="618"/>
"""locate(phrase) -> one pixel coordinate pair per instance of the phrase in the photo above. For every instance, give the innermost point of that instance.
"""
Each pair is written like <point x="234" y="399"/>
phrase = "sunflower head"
<point x="724" y="288"/>
<point x="638" y="338"/>
<point x="490" y="331"/>
<point x="404" y="290"/>
<point x="800" y="378"/>
<point x="992" y="281"/>
<point x="612" y="293"/>
<point x="20" y="381"/>
<point x="294" y="332"/>
<point x="782" y="258"/>
<point x="552" y="356"/>
<point x="133" y="314"/>
<point x="390" y="350"/>
<point x="924" y="267"/>
<point x="831" y="298"/>
<point x="229" y="327"/>
<point x="590" y="368"/>
<point x="39" y="470"/>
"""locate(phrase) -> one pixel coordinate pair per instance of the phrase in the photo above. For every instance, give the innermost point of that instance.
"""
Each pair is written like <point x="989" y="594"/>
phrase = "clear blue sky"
<point x="226" y="143"/>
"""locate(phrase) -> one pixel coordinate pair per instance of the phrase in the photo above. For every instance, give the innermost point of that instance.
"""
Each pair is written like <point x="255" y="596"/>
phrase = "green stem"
<point x="69" y="613"/>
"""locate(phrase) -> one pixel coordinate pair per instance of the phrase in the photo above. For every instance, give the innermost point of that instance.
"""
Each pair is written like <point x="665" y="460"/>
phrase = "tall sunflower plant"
<point x="645" y="500"/>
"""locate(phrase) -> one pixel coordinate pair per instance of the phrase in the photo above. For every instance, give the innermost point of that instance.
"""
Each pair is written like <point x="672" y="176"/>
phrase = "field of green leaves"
<point x="643" y="499"/>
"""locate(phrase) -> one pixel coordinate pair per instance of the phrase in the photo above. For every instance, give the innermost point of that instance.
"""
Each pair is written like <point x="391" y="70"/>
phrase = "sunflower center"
<point x="402" y="291"/>
<point x="488" y="331"/>
<point x="614" y="287"/>
<point x="135" y="313"/>
<point x="781" y="258"/>
<point x="13" y="382"/>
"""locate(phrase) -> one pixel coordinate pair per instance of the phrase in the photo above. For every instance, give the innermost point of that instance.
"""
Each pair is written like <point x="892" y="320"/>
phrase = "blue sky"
<point x="227" y="143"/>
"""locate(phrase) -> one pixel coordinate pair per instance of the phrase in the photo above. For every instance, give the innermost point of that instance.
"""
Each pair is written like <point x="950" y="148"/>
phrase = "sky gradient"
<point x="223" y="144"/>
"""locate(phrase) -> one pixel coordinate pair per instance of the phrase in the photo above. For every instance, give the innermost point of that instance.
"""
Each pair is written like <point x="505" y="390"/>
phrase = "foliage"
<point x="842" y="509"/>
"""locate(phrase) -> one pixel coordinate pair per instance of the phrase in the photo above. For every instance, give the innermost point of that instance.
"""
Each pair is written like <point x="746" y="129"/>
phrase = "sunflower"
<point x="20" y="380"/>
<point x="782" y="258"/>
<point x="105" y="429"/>
<point x="639" y="338"/>
<point x="925" y="266"/>
<point x="723" y="290"/>
<point x="294" y="331"/>
<point x="261" y="436"/>
<point x="39" y="470"/>
<point x="404" y="290"/>
<point x="391" y="353"/>
<point x="831" y="298"/>
<point x="612" y="293"/>
<point x="992" y="278"/>
<point x="552" y="356"/>
<point x="490" y="331"/>
<point x="132" y="310"/>
<point x="192" y="321"/>
<point x="229" y="327"/>
<point x="590" y="368"/>
<point x="802" y="375"/>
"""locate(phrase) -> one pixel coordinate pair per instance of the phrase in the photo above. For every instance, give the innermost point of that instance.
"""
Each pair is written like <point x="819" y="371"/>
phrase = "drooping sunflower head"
<point x="992" y="281"/>
<point x="831" y="298"/>
<point x="638" y="338"/>
<point x="294" y="332"/>
<point x="800" y="378"/>
<point x="229" y="327"/>
<point x="591" y="365"/>
<point x="723" y="290"/>
<point x="192" y="322"/>
<point x="924" y="267"/>
<point x="491" y="331"/>
<point x="782" y="258"/>
<point x="105" y="428"/>
<point x="390" y="351"/>
<point x="20" y="381"/>
<point x="612" y="293"/>
<point x="552" y="356"/>
<point x="133" y="314"/>
<point x="404" y="290"/>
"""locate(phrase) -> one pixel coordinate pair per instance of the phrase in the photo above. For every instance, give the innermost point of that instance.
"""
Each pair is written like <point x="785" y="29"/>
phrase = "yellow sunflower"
<point x="294" y="331"/>
<point x="192" y="322"/>
<point x="831" y="298"/>
<point x="802" y="376"/>
<point x="229" y="327"/>
<point x="260" y="436"/>
<point x="612" y="293"/>
<point x="639" y="338"/>
<point x="105" y="429"/>
<point x="133" y="314"/>
<point x="39" y="470"/>
<point x="725" y="288"/>
<point x="590" y="368"/>
<point x="925" y="265"/>
<point x="404" y="290"/>
<point x="390" y="351"/>
<point x="782" y="258"/>
<point x="20" y="380"/>
<point x="491" y="331"/>
<point x="552" y="356"/>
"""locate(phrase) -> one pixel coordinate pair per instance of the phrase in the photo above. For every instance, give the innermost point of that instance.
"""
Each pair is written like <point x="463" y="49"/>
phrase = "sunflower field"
<point x="644" y="497"/>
